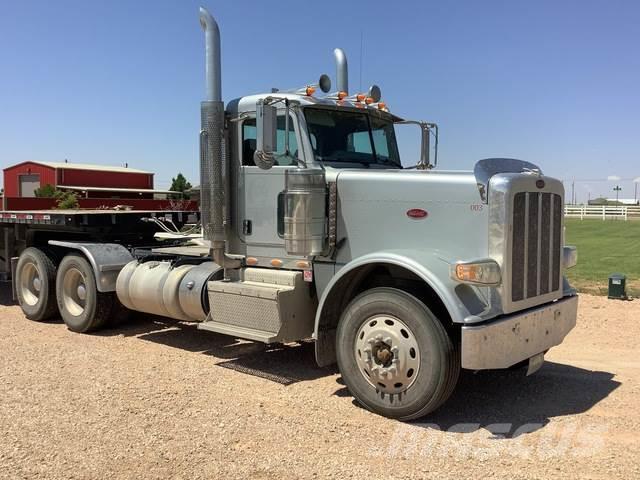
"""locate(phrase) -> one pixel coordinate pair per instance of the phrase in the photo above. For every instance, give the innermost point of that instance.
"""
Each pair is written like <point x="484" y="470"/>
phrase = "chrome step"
<point x="238" y="332"/>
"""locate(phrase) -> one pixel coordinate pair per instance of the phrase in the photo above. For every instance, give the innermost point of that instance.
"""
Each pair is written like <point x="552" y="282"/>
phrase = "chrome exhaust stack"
<point x="212" y="194"/>
<point x="342" y="70"/>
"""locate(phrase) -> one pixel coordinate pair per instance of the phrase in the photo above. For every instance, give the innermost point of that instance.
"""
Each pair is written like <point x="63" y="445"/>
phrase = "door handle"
<point x="246" y="227"/>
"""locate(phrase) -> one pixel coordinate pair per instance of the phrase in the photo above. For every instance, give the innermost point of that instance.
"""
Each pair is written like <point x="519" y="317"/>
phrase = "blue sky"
<point x="553" y="82"/>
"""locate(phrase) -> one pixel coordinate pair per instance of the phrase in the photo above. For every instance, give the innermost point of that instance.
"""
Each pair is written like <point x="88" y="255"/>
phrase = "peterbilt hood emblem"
<point x="417" y="213"/>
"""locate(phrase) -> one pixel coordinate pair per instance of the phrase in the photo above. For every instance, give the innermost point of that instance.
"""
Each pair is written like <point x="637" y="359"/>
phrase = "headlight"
<point x="569" y="256"/>
<point x="482" y="272"/>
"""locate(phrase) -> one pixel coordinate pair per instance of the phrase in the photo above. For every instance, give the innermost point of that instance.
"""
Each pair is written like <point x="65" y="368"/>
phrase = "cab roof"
<point x="247" y="104"/>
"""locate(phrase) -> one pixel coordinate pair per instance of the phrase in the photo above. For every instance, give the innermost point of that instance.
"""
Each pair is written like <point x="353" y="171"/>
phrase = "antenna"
<point x="360" y="85"/>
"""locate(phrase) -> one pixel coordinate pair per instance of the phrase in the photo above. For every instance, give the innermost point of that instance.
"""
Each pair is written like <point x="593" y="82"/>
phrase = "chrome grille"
<point x="537" y="233"/>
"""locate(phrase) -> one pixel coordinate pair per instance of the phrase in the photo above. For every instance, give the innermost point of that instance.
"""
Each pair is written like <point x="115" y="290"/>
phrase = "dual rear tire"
<point x="81" y="306"/>
<point x="70" y="289"/>
<point x="35" y="284"/>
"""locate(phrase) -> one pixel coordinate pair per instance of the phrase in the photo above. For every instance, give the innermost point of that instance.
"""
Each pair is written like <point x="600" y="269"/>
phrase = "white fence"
<point x="603" y="212"/>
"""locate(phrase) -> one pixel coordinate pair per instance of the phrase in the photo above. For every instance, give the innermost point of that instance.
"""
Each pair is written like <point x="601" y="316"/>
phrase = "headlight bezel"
<point x="484" y="272"/>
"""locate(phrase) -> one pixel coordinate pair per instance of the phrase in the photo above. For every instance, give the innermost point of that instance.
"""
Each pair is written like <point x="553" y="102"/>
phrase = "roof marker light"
<point x="368" y="100"/>
<point x="309" y="91"/>
<point x="342" y="95"/>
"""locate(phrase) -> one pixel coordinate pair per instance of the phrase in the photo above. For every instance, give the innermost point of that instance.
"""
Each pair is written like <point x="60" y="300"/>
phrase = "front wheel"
<point x="394" y="355"/>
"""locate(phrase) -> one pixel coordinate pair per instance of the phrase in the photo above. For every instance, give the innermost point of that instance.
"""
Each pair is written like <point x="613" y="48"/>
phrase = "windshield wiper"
<point x="343" y="158"/>
<point x="358" y="162"/>
<point x="388" y="161"/>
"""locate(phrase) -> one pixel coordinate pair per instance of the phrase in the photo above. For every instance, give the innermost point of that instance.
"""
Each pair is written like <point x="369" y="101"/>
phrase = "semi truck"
<point x="313" y="229"/>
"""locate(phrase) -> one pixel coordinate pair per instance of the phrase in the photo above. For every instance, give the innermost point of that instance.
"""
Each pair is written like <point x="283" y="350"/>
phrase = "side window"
<point x="249" y="136"/>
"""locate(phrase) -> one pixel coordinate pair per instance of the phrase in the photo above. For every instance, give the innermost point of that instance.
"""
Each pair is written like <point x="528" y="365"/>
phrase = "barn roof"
<point x="84" y="166"/>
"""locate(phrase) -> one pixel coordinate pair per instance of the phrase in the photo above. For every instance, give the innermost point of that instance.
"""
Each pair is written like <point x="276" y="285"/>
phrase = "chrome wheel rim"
<point x="74" y="292"/>
<point x="387" y="354"/>
<point x="30" y="284"/>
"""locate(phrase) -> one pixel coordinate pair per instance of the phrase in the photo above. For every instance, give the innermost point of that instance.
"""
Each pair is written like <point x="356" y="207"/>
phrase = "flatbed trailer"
<point x="23" y="229"/>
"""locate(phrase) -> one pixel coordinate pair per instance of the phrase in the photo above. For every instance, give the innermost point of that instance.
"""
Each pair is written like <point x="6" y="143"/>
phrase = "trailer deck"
<point x="22" y="229"/>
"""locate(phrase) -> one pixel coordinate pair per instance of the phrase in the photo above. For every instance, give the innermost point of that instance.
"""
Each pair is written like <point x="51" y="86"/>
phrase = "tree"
<point x="180" y="184"/>
<point x="45" y="191"/>
<point x="66" y="200"/>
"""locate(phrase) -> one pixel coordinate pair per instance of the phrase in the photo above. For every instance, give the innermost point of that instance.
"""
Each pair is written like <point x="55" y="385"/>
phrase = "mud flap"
<point x="535" y="363"/>
<point x="14" y="267"/>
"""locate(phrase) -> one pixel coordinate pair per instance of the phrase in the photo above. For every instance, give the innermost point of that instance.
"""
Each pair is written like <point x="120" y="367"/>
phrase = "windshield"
<point x="344" y="138"/>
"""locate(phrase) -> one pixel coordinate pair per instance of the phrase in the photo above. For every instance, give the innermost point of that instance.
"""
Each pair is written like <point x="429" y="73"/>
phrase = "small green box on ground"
<point x="618" y="286"/>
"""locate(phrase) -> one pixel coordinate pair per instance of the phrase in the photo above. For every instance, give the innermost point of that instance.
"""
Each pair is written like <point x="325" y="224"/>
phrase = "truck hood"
<point x="374" y="212"/>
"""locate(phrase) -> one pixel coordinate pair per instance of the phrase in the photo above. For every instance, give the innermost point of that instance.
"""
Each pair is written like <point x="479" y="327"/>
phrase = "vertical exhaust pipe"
<point x="212" y="194"/>
<point x="212" y="55"/>
<point x="342" y="70"/>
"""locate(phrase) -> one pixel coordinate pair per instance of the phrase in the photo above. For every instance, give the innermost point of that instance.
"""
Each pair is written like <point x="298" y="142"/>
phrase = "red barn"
<point x="91" y="181"/>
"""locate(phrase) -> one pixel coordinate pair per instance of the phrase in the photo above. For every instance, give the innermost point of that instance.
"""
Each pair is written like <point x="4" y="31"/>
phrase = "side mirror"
<point x="425" y="148"/>
<point x="266" y="135"/>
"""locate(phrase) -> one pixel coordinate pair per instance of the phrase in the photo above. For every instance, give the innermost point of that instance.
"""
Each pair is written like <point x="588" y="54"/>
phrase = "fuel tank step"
<point x="264" y="305"/>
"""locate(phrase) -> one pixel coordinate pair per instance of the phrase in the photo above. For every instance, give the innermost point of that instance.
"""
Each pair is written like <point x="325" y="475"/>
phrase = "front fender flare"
<point x="431" y="266"/>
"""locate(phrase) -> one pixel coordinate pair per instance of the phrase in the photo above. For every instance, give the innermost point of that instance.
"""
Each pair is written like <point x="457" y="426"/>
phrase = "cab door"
<point x="259" y="222"/>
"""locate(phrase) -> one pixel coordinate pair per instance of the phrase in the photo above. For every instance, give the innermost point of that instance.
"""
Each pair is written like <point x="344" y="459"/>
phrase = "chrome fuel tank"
<point x="160" y="288"/>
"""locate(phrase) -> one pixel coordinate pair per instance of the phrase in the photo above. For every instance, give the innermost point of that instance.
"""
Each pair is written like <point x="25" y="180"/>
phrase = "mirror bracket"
<point x="266" y="138"/>
<point x="266" y="130"/>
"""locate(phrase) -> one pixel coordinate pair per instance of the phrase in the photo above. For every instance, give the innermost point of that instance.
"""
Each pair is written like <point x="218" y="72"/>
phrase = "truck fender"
<point x="436" y="276"/>
<point x="106" y="260"/>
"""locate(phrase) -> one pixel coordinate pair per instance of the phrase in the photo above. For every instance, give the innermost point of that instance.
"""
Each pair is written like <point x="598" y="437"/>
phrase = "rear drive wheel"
<point x="82" y="307"/>
<point x="35" y="284"/>
<point x="394" y="354"/>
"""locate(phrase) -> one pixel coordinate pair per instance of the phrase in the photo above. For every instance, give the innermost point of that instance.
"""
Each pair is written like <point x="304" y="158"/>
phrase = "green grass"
<point x="604" y="247"/>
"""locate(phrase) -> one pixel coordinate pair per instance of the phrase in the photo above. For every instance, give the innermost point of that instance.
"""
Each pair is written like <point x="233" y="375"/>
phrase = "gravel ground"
<point x="160" y="399"/>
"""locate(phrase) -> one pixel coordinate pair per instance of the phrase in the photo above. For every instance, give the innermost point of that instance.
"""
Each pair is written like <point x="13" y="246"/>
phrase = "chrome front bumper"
<point x="515" y="338"/>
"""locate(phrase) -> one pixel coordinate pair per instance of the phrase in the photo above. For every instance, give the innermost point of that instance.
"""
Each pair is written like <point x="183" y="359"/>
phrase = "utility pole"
<point x="573" y="192"/>
<point x="617" y="189"/>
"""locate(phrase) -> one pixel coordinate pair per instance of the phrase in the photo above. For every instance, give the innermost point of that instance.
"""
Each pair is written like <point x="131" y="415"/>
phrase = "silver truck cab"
<point x="482" y="249"/>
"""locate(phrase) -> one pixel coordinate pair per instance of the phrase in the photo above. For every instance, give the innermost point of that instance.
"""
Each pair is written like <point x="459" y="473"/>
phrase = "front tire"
<point x="81" y="306"/>
<point x="394" y="355"/>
